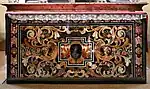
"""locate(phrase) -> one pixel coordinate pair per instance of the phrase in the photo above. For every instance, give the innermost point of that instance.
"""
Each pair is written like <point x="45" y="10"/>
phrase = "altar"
<point x="76" y="43"/>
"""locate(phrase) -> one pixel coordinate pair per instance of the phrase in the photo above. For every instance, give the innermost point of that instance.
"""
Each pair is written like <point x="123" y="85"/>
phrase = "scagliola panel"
<point x="77" y="48"/>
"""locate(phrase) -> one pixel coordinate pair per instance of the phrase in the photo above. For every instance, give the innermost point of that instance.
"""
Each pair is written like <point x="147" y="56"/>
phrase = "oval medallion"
<point x="76" y="51"/>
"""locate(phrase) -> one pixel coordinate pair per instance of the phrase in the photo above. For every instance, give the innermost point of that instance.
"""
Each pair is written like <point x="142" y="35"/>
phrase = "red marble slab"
<point x="78" y="7"/>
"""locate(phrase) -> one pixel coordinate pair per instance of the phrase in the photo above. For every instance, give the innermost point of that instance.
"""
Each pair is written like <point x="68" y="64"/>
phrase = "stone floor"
<point x="2" y="66"/>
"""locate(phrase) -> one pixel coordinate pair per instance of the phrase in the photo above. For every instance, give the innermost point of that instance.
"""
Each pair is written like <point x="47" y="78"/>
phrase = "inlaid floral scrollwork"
<point x="112" y="51"/>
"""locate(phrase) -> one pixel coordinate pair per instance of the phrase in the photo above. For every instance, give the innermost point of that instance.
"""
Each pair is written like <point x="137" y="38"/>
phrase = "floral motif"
<point x="68" y="17"/>
<point x="138" y="49"/>
<point x="46" y="69"/>
<point x="111" y="51"/>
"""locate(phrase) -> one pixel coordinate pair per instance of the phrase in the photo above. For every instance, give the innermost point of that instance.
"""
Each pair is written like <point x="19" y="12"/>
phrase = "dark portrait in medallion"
<point x="76" y="51"/>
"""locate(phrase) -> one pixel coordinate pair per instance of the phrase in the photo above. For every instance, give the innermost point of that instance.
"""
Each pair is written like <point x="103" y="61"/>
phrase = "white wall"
<point x="3" y="9"/>
<point x="2" y="20"/>
<point x="147" y="9"/>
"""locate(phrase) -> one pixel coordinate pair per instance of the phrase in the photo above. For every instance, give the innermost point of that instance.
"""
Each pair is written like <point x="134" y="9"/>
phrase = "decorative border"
<point x="83" y="41"/>
<point x="63" y="17"/>
<point x="139" y="79"/>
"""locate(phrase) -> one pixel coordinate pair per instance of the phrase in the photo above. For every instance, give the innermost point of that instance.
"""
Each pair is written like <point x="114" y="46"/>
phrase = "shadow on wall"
<point x="2" y="22"/>
<point x="147" y="10"/>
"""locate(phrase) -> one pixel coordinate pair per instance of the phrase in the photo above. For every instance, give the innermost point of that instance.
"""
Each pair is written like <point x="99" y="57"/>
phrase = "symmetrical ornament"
<point x="64" y="17"/>
<point x="138" y="49"/>
<point x="79" y="48"/>
<point x="103" y="51"/>
<point x="76" y="51"/>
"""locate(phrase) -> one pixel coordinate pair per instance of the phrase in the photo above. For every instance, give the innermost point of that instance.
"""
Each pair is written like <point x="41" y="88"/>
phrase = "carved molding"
<point x="64" y="17"/>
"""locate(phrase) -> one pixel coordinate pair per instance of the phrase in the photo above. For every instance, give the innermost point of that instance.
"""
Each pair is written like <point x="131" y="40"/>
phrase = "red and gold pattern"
<point x="39" y="46"/>
<point x="76" y="42"/>
<point x="105" y="51"/>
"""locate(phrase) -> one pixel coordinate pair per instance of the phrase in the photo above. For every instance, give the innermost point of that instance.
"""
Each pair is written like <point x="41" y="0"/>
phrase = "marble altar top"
<point x="75" y="7"/>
